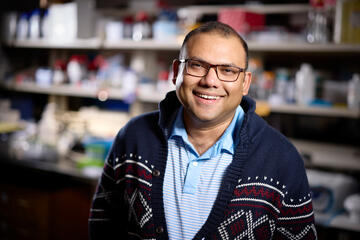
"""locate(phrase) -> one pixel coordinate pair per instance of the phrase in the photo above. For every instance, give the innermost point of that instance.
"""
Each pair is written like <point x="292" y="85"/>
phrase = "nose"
<point x="210" y="79"/>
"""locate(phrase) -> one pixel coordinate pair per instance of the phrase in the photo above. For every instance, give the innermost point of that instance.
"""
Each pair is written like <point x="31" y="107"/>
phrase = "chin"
<point x="205" y="118"/>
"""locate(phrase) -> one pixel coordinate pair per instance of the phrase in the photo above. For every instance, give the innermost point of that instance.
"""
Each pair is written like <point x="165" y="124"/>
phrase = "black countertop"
<point x="63" y="170"/>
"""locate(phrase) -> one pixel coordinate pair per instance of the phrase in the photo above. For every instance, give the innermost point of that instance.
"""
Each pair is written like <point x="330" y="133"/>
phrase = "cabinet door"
<point x="24" y="213"/>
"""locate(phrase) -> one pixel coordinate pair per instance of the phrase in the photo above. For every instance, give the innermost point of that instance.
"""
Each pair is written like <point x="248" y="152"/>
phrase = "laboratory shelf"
<point x="327" y="155"/>
<point x="174" y="45"/>
<point x="258" y="8"/>
<point x="146" y="44"/>
<point x="254" y="46"/>
<point x="91" y="43"/>
<point x="155" y="97"/>
<point x="302" y="47"/>
<point x="68" y="90"/>
<point x="314" y="110"/>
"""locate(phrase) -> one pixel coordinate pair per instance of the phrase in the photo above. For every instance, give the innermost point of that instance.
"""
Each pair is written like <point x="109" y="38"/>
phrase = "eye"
<point x="226" y="70"/>
<point x="195" y="64"/>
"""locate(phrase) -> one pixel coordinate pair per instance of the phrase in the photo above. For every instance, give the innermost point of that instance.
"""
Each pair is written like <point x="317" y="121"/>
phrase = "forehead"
<point x="216" y="48"/>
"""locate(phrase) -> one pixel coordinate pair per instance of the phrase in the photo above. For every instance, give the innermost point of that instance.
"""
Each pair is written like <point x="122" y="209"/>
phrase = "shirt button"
<point x="195" y="164"/>
<point x="160" y="229"/>
<point x="156" y="173"/>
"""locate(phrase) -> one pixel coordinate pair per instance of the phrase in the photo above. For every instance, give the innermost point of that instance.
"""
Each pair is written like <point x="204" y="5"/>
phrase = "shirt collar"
<point x="226" y="141"/>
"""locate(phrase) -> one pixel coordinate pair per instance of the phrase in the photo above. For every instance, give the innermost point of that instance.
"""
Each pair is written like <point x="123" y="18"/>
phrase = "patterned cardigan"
<point x="264" y="192"/>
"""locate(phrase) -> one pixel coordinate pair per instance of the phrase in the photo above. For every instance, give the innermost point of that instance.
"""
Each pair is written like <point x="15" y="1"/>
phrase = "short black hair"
<point x="219" y="28"/>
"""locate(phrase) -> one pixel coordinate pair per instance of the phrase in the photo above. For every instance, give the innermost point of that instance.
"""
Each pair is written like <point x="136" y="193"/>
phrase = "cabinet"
<point x="312" y="123"/>
<point x="36" y="204"/>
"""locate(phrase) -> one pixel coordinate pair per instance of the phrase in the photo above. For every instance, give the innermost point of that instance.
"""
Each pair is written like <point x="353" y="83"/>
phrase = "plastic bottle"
<point x="34" y="24"/>
<point x="44" y="25"/>
<point x="141" y="27"/>
<point x="305" y="85"/>
<point x="165" y="27"/>
<point x="23" y="27"/>
<point x="353" y="96"/>
<point x="75" y="69"/>
<point x="59" y="74"/>
<point x="129" y="89"/>
<point x="114" y="30"/>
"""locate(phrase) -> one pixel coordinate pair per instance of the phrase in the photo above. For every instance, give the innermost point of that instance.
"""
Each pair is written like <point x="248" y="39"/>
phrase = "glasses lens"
<point x="195" y="68"/>
<point x="227" y="73"/>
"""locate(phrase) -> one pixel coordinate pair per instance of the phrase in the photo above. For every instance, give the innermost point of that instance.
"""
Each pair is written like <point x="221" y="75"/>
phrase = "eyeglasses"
<point x="225" y="73"/>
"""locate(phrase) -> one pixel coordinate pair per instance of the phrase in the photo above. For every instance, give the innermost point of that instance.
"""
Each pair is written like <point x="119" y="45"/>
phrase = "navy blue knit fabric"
<point x="264" y="193"/>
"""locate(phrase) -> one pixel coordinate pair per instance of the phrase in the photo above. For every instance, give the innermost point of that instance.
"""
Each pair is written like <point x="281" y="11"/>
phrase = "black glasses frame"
<point x="208" y="66"/>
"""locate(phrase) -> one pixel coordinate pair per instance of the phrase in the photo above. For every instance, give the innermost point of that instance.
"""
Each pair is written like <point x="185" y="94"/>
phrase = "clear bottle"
<point x="317" y="27"/>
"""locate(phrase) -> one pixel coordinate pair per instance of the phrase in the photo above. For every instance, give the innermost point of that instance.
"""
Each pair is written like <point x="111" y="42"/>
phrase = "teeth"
<point x="208" y="97"/>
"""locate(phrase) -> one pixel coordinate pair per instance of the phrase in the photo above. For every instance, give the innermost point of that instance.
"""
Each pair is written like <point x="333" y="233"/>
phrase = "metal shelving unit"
<point x="93" y="43"/>
<point x="67" y="90"/>
<point x="175" y="45"/>
<point x="156" y="97"/>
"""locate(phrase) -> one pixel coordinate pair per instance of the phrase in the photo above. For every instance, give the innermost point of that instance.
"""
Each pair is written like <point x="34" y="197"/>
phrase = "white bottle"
<point x="305" y="85"/>
<point x="34" y="24"/>
<point x="22" y="27"/>
<point x="353" y="96"/>
<point x="74" y="71"/>
<point x="44" y="25"/>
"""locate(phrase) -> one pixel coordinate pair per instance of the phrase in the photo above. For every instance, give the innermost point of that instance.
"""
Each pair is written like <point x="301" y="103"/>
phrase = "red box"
<point x="242" y="21"/>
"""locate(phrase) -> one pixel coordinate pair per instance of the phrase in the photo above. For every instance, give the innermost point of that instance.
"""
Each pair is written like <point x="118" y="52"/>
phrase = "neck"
<point x="204" y="135"/>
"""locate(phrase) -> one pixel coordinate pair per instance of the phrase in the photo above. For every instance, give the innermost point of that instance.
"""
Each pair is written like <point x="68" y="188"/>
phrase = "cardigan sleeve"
<point x="108" y="211"/>
<point x="296" y="218"/>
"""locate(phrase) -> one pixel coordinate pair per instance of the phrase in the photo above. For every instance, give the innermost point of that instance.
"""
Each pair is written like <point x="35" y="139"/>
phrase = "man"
<point x="204" y="166"/>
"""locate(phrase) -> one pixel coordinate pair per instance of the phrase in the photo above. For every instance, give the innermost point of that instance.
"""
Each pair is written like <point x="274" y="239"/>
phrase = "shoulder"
<point x="137" y="132"/>
<point x="264" y="137"/>
<point x="275" y="153"/>
<point x="143" y="122"/>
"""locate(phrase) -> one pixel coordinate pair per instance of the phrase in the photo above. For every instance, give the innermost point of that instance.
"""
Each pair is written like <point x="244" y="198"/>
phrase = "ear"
<point x="246" y="83"/>
<point x="175" y="69"/>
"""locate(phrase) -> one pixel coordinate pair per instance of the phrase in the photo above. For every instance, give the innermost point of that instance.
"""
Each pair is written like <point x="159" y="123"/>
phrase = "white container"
<point x="44" y="25"/>
<point x="305" y="85"/>
<point x="114" y="31"/>
<point x="164" y="30"/>
<point x="353" y="97"/>
<point x="74" y="71"/>
<point x="34" y="24"/>
<point x="22" y="27"/>
<point x="352" y="206"/>
<point x="63" y="22"/>
<point x="43" y="77"/>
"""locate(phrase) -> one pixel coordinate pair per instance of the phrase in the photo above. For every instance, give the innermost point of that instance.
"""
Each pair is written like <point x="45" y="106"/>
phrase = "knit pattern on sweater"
<point x="259" y="208"/>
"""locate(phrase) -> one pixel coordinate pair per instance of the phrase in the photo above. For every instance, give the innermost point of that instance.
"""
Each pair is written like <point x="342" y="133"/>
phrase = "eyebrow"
<point x="222" y="64"/>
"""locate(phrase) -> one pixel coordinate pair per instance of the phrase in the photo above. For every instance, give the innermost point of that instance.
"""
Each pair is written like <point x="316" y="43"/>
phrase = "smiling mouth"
<point x="207" y="97"/>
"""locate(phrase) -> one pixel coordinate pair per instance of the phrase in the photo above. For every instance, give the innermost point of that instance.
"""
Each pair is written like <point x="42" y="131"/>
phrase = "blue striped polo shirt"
<point x="191" y="181"/>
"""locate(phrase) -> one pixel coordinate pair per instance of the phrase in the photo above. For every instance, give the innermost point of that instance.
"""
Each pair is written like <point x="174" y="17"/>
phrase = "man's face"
<point x="208" y="100"/>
